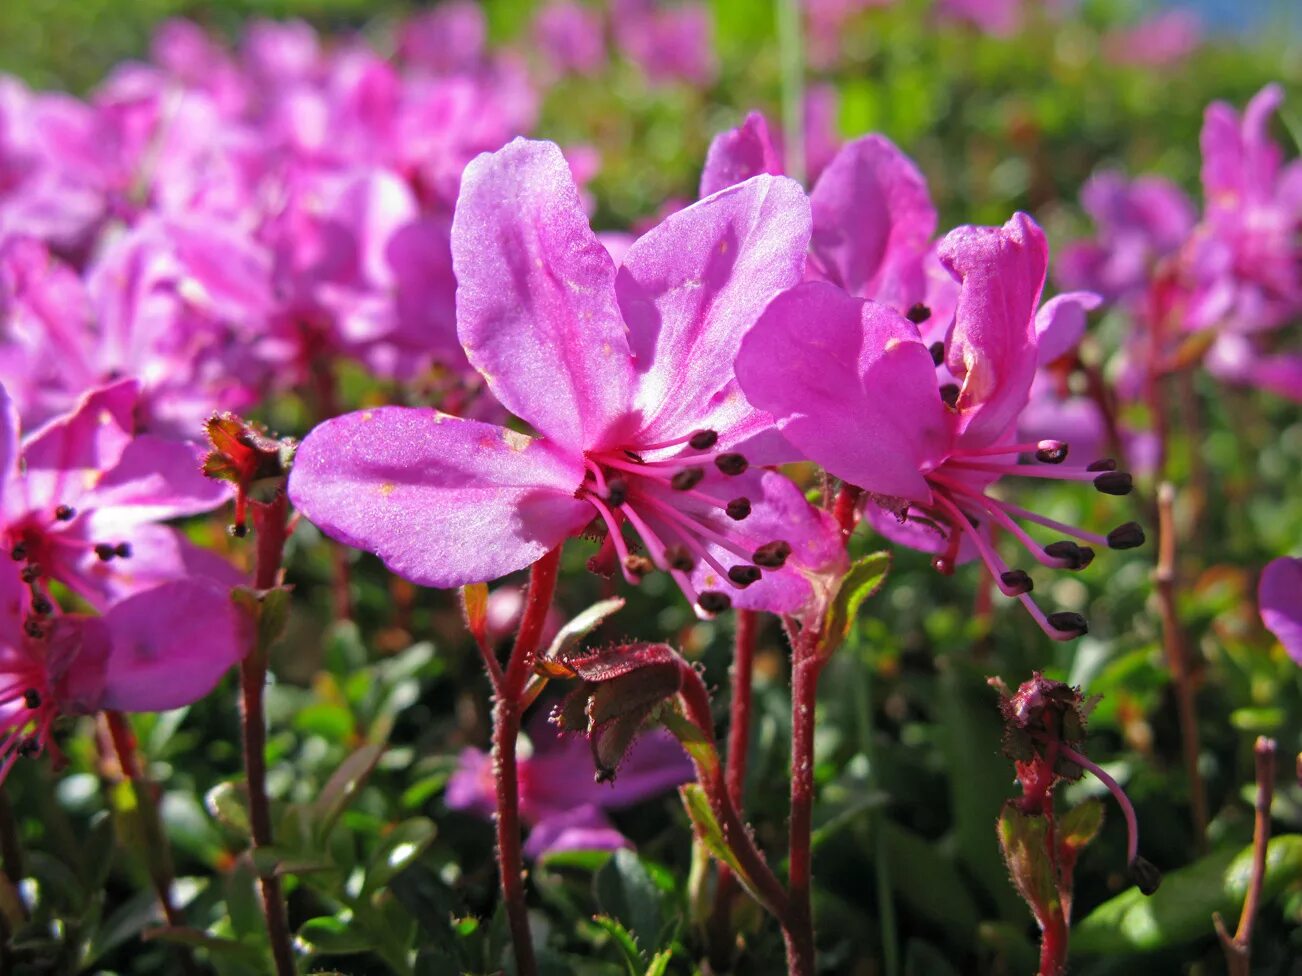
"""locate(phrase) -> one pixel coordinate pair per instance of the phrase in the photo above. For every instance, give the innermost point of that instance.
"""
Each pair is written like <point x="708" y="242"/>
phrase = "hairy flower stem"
<point x="806" y="666"/>
<point x="1177" y="660"/>
<point x="160" y="862"/>
<point x="1238" y="948"/>
<point x="739" y="708"/>
<point x="271" y="528"/>
<point x="507" y="711"/>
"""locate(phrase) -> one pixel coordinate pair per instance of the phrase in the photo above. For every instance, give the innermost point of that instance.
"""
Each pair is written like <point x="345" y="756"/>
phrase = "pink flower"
<point x="161" y="649"/>
<point x="862" y="396"/>
<point x="627" y="377"/>
<point x="83" y="499"/>
<point x="669" y="41"/>
<point x="560" y="799"/>
<point x="1279" y="595"/>
<point x="1158" y="41"/>
<point x="571" y="37"/>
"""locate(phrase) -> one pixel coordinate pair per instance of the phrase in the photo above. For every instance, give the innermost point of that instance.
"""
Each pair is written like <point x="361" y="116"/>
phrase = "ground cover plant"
<point x="650" y="487"/>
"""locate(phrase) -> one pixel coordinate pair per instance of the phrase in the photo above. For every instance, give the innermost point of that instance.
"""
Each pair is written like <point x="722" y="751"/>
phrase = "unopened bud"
<point x="731" y="463"/>
<point x="1114" y="483"/>
<point x="1051" y="452"/>
<point x="772" y="555"/>
<point x="1128" y="536"/>
<point x="744" y="575"/>
<point x="687" y="479"/>
<point x="703" y="440"/>
<point x="738" y="509"/>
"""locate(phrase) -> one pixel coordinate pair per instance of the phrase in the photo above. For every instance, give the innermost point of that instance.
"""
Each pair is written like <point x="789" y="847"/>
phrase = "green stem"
<point x="791" y="50"/>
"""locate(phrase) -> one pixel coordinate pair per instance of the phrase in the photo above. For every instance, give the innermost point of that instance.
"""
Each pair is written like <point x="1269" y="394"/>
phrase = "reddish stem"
<point x="124" y="744"/>
<point x="799" y="932"/>
<point x="270" y="524"/>
<point x="739" y="709"/>
<point x="506" y="729"/>
<point x="1053" y="944"/>
<point x="1238" y="949"/>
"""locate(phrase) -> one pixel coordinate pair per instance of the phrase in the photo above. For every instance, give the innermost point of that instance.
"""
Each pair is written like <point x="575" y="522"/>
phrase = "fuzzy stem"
<point x="1238" y="949"/>
<point x="739" y="709"/>
<point x="160" y="863"/>
<point x="270" y="523"/>
<point x="1177" y="661"/>
<point x="799" y="932"/>
<point x="507" y="711"/>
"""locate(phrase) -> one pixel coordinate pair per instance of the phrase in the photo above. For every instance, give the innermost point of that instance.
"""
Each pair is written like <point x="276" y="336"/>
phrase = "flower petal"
<point x="857" y="395"/>
<point x="443" y="501"/>
<point x="535" y="295"/>
<point x="156" y="479"/>
<point x="690" y="289"/>
<point x="873" y="222"/>
<point x="1280" y="597"/>
<point x="992" y="349"/>
<point x="583" y="828"/>
<point x="738" y="154"/>
<point x="171" y="645"/>
<point x="1060" y="323"/>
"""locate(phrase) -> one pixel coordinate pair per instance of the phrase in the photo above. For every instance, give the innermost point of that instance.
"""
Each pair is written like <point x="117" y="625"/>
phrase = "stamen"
<point x="772" y="555"/>
<point x="1091" y="537"/>
<point x="32" y="698"/>
<point x="1076" y="557"/>
<point x="949" y="394"/>
<point x="1102" y="464"/>
<point x="33" y="629"/>
<point x="712" y="601"/>
<point x="744" y="575"/>
<point x="123" y="550"/>
<point x="19" y="552"/>
<point x="31" y="573"/>
<point x="615" y="536"/>
<point x="1051" y="452"/>
<point x="1143" y="873"/>
<point x="996" y="510"/>
<point x="937" y="350"/>
<point x="616" y="492"/>
<point x="105" y="551"/>
<point x="1069" y="623"/>
<point x="1023" y="470"/>
<point x="687" y="479"/>
<point x="598" y="476"/>
<point x="703" y="440"/>
<point x="917" y="314"/>
<point x="959" y="522"/>
<point x="41" y="606"/>
<point x="738" y="509"/>
<point x="1050" y="624"/>
<point x="679" y="558"/>
<point x="731" y="463"/>
<point x="695" y="528"/>
<point x="639" y="566"/>
<point x="65" y="513"/>
<point x="1128" y="536"/>
<point x="1114" y="483"/>
<point x="1048" y="447"/>
<point x="1015" y="582"/>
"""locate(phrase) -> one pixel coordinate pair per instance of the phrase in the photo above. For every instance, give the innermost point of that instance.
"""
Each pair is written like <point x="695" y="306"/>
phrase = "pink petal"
<point x="873" y="222"/>
<point x="171" y="645"/>
<point x="857" y="395"/>
<point x="992" y="349"/>
<point x="690" y="289"/>
<point x="65" y="457"/>
<point x="1060" y="323"/>
<point x="738" y="154"/>
<point x="443" y="501"/>
<point x="583" y="828"/>
<point x="1280" y="597"/>
<point x="159" y="554"/>
<point x="155" y="480"/>
<point x="535" y="297"/>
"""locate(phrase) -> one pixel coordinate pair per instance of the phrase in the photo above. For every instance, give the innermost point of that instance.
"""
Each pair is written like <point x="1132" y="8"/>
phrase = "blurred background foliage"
<point x="910" y="774"/>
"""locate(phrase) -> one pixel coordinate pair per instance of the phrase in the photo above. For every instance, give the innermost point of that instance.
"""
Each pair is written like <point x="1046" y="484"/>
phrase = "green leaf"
<point x="1182" y="908"/>
<point x="1079" y="825"/>
<point x="708" y="830"/>
<point x="331" y="934"/>
<point x="228" y="803"/>
<point x="198" y="939"/>
<point x="864" y="578"/>
<point x="1023" y="838"/>
<point x="929" y="882"/>
<point x="398" y="851"/>
<point x="343" y="785"/>
<point x="624" y="939"/>
<point x="660" y="963"/>
<point x="625" y="891"/>
<point x="695" y="742"/>
<point x="924" y="959"/>
<point x="127" y="922"/>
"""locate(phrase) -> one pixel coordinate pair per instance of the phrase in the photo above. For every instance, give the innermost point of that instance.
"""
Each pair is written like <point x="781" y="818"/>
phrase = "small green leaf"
<point x="624" y="939"/>
<point x="1023" y="838"/>
<point x="228" y="803"/>
<point x="864" y="578"/>
<point x="660" y="963"/>
<point x="1079" y="825"/>
<point x="708" y="830"/>
<point x="343" y="785"/>
<point x="1182" y="908"/>
<point x="625" y="891"/>
<point x="398" y="851"/>
<point x="330" y="934"/>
